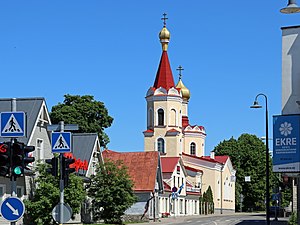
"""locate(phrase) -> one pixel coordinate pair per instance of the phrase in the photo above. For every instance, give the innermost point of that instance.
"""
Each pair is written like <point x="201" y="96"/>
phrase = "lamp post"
<point x="292" y="7"/>
<point x="256" y="106"/>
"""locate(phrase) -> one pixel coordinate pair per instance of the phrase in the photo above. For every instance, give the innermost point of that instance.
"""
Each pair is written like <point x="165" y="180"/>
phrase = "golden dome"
<point x="164" y="36"/>
<point x="184" y="91"/>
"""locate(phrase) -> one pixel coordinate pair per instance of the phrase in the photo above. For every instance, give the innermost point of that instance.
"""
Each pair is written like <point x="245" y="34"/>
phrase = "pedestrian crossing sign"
<point x="12" y="124"/>
<point x="61" y="142"/>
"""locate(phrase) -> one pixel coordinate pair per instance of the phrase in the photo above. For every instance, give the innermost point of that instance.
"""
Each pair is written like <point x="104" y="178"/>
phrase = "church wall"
<point x="167" y="106"/>
<point x="198" y="140"/>
<point x="228" y="187"/>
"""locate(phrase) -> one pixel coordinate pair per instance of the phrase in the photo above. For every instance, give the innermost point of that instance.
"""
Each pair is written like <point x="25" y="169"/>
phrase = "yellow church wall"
<point x="221" y="185"/>
<point x="198" y="140"/>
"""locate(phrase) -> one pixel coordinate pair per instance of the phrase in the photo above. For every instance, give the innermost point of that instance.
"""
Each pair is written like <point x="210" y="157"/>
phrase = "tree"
<point x="89" y="114"/>
<point x="248" y="155"/>
<point x="46" y="196"/>
<point x="111" y="192"/>
<point x="207" y="201"/>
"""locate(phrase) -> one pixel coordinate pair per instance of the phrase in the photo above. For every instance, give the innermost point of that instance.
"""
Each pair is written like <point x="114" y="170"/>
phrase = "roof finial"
<point x="164" y="34"/>
<point x="180" y="68"/>
<point x="164" y="19"/>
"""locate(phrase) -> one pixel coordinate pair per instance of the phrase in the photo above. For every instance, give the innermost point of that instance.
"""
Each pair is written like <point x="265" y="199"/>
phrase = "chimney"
<point x="212" y="155"/>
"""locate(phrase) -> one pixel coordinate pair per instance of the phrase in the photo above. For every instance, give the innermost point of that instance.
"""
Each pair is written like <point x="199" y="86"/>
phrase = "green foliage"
<point x="293" y="219"/>
<point x="208" y="195"/>
<point x="248" y="156"/>
<point x="111" y="192"/>
<point x="90" y="115"/>
<point x="46" y="196"/>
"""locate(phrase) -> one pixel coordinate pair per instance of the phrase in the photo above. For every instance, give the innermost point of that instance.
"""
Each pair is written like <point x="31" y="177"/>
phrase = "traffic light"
<point x="17" y="156"/>
<point x="66" y="170"/>
<point x="27" y="159"/>
<point x="20" y="158"/>
<point x="53" y="170"/>
<point x="4" y="158"/>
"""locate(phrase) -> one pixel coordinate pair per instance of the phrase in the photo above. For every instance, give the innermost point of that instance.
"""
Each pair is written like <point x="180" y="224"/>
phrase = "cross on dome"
<point x="164" y="19"/>
<point x="180" y="68"/>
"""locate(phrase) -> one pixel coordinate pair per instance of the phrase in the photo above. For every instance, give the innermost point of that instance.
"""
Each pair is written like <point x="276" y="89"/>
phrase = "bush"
<point x="293" y="219"/>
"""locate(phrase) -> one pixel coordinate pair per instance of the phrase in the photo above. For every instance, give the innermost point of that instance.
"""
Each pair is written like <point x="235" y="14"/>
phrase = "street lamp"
<point x="292" y="7"/>
<point x="256" y="105"/>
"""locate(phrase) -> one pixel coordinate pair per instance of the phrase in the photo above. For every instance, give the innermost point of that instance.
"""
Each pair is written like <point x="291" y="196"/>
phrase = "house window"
<point x="161" y="116"/>
<point x="174" y="184"/>
<point x="2" y="192"/>
<point x="193" y="148"/>
<point x="161" y="145"/>
<point x="178" y="169"/>
<point x="20" y="191"/>
<point x="181" y="206"/>
<point x="40" y="149"/>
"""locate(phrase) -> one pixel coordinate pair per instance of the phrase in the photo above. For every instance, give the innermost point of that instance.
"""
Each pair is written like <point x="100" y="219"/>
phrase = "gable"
<point x="31" y="107"/>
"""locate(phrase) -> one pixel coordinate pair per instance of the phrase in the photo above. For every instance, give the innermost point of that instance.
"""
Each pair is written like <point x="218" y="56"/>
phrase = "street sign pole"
<point x="61" y="127"/>
<point x="61" y="180"/>
<point x="12" y="178"/>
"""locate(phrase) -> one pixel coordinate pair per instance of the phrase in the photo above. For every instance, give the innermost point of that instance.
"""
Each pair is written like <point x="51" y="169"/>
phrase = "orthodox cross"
<point x="164" y="19"/>
<point x="180" y="68"/>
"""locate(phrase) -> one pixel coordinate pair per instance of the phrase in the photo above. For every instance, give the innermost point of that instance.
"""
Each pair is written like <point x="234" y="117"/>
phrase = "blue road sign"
<point x="12" y="209"/>
<point x="12" y="124"/>
<point x="286" y="143"/>
<point x="61" y="142"/>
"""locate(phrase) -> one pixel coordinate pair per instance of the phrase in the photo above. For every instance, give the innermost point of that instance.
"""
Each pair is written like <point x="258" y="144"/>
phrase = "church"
<point x="187" y="173"/>
<point x="180" y="172"/>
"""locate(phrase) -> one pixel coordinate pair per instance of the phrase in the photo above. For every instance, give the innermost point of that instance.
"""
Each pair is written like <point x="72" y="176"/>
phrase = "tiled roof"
<point x="142" y="167"/>
<point x="164" y="77"/>
<point x="83" y="145"/>
<point x="168" y="164"/>
<point x="220" y="158"/>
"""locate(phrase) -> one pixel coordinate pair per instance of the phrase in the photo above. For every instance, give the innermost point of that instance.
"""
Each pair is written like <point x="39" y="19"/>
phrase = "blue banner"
<point x="286" y="138"/>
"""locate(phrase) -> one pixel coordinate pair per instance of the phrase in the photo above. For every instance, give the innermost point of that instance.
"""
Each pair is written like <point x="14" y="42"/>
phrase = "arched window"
<point x="150" y="118"/>
<point x="193" y="148"/>
<point x="161" y="116"/>
<point x="161" y="145"/>
<point x="172" y="117"/>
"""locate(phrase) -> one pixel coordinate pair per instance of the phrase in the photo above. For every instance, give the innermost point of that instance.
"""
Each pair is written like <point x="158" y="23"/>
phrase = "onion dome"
<point x="184" y="91"/>
<point x="164" y="35"/>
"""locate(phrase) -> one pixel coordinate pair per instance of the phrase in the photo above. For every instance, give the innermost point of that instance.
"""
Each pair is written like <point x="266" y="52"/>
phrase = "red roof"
<point x="142" y="167"/>
<point x="164" y="77"/>
<point x="220" y="158"/>
<point x="168" y="164"/>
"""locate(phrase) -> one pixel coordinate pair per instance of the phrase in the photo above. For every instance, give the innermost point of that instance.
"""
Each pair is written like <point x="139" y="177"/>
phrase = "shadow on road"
<point x="262" y="222"/>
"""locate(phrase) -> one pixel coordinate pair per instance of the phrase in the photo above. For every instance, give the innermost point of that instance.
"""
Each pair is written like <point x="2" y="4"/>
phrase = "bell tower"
<point x="167" y="110"/>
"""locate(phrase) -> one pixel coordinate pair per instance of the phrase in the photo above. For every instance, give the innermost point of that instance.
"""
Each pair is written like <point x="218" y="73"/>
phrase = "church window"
<point x="172" y="117"/>
<point x="193" y="148"/>
<point x="161" y="145"/>
<point x="161" y="116"/>
<point x="150" y="118"/>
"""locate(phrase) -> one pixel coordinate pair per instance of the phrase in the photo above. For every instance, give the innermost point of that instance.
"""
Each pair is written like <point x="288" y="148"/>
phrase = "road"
<point x="232" y="219"/>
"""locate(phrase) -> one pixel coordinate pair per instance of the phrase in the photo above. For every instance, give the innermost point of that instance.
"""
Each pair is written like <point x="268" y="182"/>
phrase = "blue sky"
<point x="230" y="52"/>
